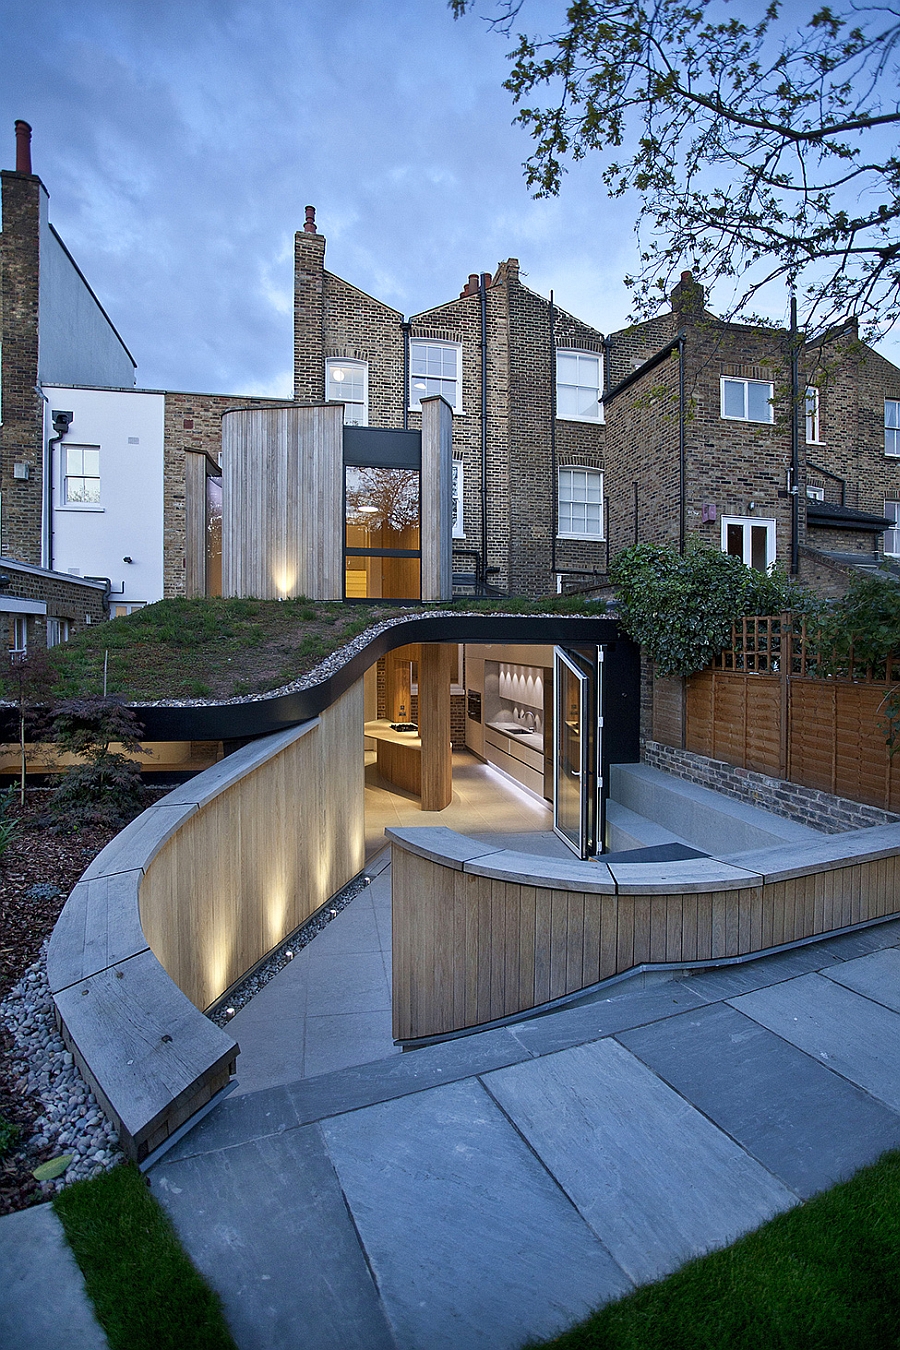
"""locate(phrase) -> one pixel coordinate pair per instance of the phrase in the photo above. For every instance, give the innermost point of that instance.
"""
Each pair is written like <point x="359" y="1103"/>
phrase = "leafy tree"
<point x="764" y="142"/>
<point x="680" y="607"/>
<point x="105" y="788"/>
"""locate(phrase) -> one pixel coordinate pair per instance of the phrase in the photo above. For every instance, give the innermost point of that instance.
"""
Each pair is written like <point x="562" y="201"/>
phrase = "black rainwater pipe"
<point x="405" y="328"/>
<point x="795" y="440"/>
<point x="681" y="445"/>
<point x="554" y="472"/>
<point x="482" y="292"/>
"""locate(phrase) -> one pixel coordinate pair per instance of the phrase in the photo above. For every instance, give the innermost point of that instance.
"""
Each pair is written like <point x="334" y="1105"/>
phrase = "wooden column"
<point x="434" y="725"/>
<point x="397" y="705"/>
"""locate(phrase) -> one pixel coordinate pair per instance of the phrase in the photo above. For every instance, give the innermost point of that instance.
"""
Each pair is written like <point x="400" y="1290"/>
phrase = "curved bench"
<point x="483" y="933"/>
<point x="151" y="1056"/>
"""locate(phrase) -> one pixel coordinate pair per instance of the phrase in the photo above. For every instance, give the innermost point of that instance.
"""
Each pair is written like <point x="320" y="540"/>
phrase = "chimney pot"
<point x="309" y="226"/>
<point x="486" y="279"/>
<point x="23" y="147"/>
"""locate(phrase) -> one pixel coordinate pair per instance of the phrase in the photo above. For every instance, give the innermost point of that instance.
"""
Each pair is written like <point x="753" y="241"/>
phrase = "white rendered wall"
<point x="94" y="541"/>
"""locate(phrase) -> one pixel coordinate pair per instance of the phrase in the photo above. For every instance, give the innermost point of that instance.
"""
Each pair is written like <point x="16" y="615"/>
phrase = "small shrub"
<point x="106" y="788"/>
<point x="9" y="1135"/>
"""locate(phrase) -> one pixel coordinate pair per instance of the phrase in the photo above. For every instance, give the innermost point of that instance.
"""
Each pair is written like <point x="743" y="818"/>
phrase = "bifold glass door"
<point x="576" y="748"/>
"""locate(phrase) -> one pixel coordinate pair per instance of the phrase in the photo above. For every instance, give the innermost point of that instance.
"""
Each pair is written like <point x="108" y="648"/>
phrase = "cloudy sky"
<point x="180" y="141"/>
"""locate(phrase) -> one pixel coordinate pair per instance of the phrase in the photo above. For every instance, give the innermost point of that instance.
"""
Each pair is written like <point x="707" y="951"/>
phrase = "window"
<point x="347" y="382"/>
<point x="753" y="541"/>
<point x="815" y="494"/>
<point x="580" y="504"/>
<point x="892" y="426"/>
<point x="57" y="631"/>
<point x="458" y="531"/>
<point x="813" y="429"/>
<point x="382" y="551"/>
<point x="434" y="368"/>
<point x="579" y="384"/>
<point x="18" y="635"/>
<point x="81" y="477"/>
<point x="747" y="400"/>
<point x="892" y="536"/>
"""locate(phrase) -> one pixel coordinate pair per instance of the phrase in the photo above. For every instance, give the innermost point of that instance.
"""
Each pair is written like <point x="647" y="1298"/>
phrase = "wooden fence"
<point x="777" y="703"/>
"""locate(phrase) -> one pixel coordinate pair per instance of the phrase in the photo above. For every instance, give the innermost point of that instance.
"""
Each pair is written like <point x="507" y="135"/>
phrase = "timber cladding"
<point x="822" y="734"/>
<point x="254" y="862"/>
<point x="470" y="949"/>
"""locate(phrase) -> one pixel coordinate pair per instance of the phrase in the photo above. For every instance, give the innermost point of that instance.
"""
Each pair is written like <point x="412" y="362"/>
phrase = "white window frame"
<point x="414" y="399"/>
<point x="458" y="479"/>
<point x="592" y="356"/>
<point x="19" y="634"/>
<point x="815" y="494"/>
<point x="567" y="469"/>
<point x="733" y="417"/>
<point x="892" y="433"/>
<point x="812" y="415"/>
<point x="892" y="537"/>
<point x="71" y="503"/>
<point x="338" y="362"/>
<point x="746" y="521"/>
<point x="57" y="631"/>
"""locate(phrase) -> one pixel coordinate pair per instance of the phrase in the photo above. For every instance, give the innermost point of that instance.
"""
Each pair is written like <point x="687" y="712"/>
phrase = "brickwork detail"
<point x="66" y="598"/>
<point x="820" y="810"/>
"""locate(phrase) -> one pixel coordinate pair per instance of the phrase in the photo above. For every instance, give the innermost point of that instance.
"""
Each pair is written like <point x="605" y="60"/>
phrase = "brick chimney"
<point x="23" y="147"/>
<point x="688" y="297"/>
<point x="309" y="311"/>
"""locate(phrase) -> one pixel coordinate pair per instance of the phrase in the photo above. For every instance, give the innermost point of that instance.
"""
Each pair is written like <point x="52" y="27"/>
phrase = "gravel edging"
<point x="71" y="1121"/>
<point x="240" y="994"/>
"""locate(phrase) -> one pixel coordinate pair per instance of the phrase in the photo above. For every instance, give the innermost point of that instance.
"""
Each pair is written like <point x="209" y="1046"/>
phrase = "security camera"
<point x="62" y="421"/>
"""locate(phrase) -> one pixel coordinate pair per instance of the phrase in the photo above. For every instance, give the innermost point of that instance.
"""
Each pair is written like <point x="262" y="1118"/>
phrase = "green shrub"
<point x="106" y="788"/>
<point x="681" y="607"/>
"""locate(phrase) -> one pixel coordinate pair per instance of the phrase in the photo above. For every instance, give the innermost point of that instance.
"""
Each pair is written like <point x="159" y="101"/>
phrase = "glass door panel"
<point x="577" y="815"/>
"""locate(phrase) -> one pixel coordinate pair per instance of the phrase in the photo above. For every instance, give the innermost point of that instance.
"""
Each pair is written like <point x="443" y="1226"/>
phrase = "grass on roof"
<point x="218" y="649"/>
<point x="823" y="1276"/>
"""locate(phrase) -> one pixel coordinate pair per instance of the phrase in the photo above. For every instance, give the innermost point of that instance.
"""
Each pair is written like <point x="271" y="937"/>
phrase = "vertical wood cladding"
<point x="21" y="435"/>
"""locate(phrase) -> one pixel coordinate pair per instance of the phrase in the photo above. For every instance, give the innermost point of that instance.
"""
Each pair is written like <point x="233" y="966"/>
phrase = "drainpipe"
<point x="482" y="291"/>
<point x="405" y="328"/>
<point x="681" y="446"/>
<point x="62" y="421"/>
<point x="554" y="472"/>
<point x="795" y="440"/>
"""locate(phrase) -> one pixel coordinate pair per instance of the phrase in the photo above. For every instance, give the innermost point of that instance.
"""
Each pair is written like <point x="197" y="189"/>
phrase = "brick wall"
<point x="820" y="810"/>
<point x="21" y="435"/>
<point x="66" y="598"/>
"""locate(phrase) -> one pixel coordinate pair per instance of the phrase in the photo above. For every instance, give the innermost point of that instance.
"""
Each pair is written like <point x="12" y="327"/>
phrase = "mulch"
<point x="36" y="857"/>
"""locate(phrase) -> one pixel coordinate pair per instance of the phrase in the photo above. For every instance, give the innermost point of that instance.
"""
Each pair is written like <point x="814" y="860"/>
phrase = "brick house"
<point x="699" y="441"/>
<point x="528" y="451"/>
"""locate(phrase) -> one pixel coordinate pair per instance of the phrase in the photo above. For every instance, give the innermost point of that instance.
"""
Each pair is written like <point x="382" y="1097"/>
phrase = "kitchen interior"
<point x="502" y="695"/>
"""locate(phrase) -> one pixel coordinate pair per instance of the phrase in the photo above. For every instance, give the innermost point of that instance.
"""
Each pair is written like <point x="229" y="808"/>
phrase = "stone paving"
<point x="497" y="1187"/>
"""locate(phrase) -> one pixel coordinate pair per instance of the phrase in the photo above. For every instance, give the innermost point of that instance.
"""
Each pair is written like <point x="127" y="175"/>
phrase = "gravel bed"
<point x="70" y="1120"/>
<point x="240" y="995"/>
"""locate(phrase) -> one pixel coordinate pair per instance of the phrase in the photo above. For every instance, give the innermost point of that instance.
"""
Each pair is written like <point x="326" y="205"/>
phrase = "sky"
<point x="180" y="141"/>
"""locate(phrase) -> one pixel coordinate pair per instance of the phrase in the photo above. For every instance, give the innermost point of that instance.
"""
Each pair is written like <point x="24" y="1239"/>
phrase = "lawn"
<point x="217" y="649"/>
<point x="146" y="1293"/>
<point x="823" y="1276"/>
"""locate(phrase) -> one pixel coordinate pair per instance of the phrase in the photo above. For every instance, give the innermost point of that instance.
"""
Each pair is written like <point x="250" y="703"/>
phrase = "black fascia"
<point x="261" y="716"/>
<point x="375" y="448"/>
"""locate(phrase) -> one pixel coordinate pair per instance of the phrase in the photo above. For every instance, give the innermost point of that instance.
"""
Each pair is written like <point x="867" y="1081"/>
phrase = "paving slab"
<point x="43" y="1303"/>
<point x="403" y="1075"/>
<point x="656" y="1180"/>
<point x="876" y="976"/>
<point x="805" y="1124"/>
<point x="341" y="1040"/>
<point x="591" y="1021"/>
<point x="472" y="1243"/>
<point x="350" y="982"/>
<point x="849" y="1033"/>
<point x="267" y="1225"/>
<point x="721" y="982"/>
